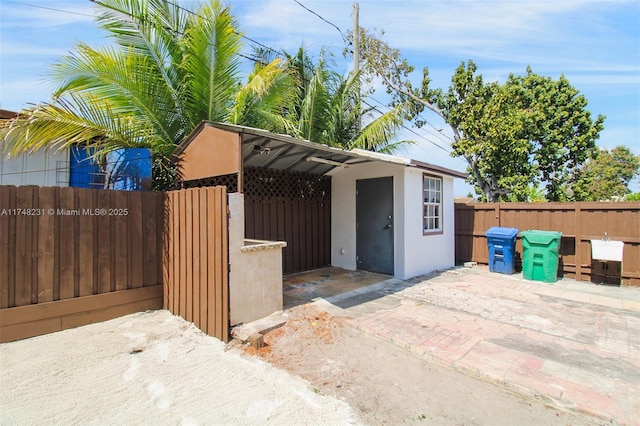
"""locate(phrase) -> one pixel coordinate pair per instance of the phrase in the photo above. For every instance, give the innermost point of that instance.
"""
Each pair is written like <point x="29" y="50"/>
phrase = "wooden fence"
<point x="72" y="256"/>
<point x="196" y="285"/>
<point x="578" y="222"/>
<point x="305" y="224"/>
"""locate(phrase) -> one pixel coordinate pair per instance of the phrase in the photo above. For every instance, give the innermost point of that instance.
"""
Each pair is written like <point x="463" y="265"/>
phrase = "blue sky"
<point x="595" y="44"/>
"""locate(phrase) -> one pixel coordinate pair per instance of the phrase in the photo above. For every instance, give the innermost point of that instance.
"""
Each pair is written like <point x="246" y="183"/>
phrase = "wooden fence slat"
<point x="87" y="242"/>
<point x="306" y="232"/>
<point x="136" y="236"/>
<point x="167" y="269"/>
<point x="45" y="252"/>
<point x="105" y="241"/>
<point x="159" y="218"/>
<point x="221" y="283"/>
<point x="197" y="234"/>
<point x="189" y="254"/>
<point x="213" y="275"/>
<point x="119" y="212"/>
<point x="201" y="260"/>
<point x="24" y="249"/>
<point x="7" y="240"/>
<point x="67" y="238"/>
<point x="219" y="261"/>
<point x="150" y="233"/>
<point x="177" y="214"/>
<point x="182" y="311"/>
<point x="295" y="237"/>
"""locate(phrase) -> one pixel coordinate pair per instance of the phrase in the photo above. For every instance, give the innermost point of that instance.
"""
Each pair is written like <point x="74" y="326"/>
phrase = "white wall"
<point x="427" y="253"/>
<point x="414" y="254"/>
<point x="38" y="168"/>
<point x="343" y="211"/>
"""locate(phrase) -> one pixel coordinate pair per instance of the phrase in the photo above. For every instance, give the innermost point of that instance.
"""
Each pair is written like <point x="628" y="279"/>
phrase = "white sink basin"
<point x="606" y="250"/>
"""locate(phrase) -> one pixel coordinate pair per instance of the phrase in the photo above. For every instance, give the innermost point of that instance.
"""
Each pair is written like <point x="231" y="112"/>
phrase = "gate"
<point x="196" y="258"/>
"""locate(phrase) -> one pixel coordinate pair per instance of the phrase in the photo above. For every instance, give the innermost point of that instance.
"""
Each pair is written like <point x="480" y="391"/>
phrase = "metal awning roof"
<point x="261" y="148"/>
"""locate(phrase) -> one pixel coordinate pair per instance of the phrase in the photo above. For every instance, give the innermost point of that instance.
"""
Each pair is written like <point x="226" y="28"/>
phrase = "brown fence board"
<point x="136" y="237"/>
<point x="221" y="259"/>
<point x="87" y="242"/>
<point x="45" y="252"/>
<point x="33" y="320"/>
<point x="578" y="222"/>
<point x="214" y="275"/>
<point x="7" y="245"/>
<point x="203" y="277"/>
<point x="150" y="267"/>
<point x="68" y="235"/>
<point x="24" y="249"/>
<point x="105" y="242"/>
<point x="119" y="248"/>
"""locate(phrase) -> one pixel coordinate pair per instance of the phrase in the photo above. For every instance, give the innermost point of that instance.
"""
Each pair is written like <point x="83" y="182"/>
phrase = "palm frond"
<point x="74" y="121"/>
<point x="127" y="82"/>
<point x="211" y="62"/>
<point x="266" y="94"/>
<point x="153" y="28"/>
<point x="378" y="134"/>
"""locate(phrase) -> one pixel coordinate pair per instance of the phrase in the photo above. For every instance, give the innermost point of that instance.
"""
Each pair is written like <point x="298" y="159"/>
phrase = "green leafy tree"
<point x="606" y="175"/>
<point x="632" y="197"/>
<point x="168" y="70"/>
<point x="529" y="130"/>
<point x="559" y="127"/>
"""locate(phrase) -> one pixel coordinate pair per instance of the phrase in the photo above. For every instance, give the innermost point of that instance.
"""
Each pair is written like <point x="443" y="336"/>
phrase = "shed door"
<point x="374" y="225"/>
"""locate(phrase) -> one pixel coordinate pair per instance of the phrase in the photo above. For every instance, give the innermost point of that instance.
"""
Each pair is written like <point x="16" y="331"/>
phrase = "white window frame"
<point x="431" y="204"/>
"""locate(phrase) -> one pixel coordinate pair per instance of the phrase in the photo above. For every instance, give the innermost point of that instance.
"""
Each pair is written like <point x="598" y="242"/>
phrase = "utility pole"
<point x="356" y="54"/>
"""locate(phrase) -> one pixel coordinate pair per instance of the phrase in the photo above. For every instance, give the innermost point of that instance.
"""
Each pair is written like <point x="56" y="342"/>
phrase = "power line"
<point x="328" y="22"/>
<point x="439" y="135"/>
<point x="236" y="32"/>
<point x="410" y="129"/>
<point x="178" y="32"/>
<point x="50" y="8"/>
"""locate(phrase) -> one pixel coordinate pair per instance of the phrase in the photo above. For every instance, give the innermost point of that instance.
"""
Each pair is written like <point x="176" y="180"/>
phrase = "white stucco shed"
<point x="415" y="250"/>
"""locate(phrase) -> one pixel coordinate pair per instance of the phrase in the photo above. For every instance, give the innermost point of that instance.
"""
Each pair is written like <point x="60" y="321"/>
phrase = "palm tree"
<point x="328" y="111"/>
<point x="169" y="69"/>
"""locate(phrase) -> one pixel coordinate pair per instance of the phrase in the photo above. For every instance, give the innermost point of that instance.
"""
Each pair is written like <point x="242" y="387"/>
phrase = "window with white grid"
<point x="432" y="204"/>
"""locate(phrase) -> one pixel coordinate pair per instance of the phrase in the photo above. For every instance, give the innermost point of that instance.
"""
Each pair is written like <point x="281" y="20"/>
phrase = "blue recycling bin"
<point x="502" y="247"/>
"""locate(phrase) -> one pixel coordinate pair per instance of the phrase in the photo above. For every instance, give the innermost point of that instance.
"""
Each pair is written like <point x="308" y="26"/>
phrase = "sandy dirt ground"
<point x="151" y="369"/>
<point x="387" y="385"/>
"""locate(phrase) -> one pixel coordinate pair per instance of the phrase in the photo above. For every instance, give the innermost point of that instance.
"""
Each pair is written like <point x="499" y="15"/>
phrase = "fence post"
<point x="578" y="241"/>
<point x="497" y="212"/>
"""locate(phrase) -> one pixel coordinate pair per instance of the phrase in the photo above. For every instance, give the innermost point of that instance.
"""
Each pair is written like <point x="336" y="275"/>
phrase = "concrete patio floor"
<point x="304" y="287"/>
<point x="573" y="344"/>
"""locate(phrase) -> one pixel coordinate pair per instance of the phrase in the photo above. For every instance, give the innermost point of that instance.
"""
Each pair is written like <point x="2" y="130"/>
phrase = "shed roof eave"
<point x="438" y="169"/>
<point x="315" y="149"/>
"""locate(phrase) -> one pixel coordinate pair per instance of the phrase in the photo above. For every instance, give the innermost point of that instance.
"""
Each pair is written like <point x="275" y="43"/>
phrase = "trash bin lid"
<point x="500" y="232"/>
<point x="540" y="237"/>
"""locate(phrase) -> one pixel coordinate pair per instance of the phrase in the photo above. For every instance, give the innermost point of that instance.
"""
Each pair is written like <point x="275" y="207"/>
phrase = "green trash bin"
<point x="540" y="255"/>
